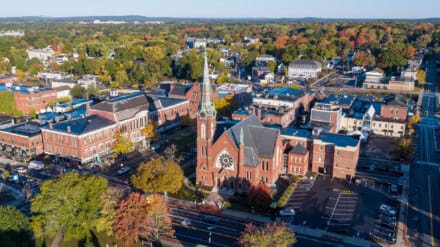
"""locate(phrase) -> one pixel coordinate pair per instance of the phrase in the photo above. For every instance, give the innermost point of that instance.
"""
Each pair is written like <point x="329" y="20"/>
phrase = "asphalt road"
<point x="424" y="205"/>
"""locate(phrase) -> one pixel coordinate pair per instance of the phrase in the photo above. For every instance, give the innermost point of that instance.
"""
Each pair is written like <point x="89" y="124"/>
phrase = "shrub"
<point x="286" y="195"/>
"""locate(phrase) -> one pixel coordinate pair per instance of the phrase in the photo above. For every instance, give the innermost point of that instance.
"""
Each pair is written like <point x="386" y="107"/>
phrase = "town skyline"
<point x="393" y="9"/>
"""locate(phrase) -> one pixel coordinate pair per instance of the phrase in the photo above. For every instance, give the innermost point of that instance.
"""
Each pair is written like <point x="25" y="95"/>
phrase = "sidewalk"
<point x="401" y="238"/>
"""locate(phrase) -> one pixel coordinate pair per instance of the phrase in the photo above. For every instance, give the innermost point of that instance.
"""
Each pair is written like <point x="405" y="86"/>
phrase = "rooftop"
<point x="83" y="125"/>
<point x="297" y="132"/>
<point x="339" y="140"/>
<point x="340" y="99"/>
<point x="305" y="63"/>
<point x="28" y="129"/>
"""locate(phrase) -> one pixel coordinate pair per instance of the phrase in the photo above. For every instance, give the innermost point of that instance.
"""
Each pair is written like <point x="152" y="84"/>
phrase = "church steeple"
<point x="206" y="107"/>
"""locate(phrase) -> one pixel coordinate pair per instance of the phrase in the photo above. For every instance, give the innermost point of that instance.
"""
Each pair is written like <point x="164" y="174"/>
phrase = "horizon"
<point x="227" y="9"/>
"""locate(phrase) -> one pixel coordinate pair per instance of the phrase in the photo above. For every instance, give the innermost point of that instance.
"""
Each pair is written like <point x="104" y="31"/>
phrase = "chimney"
<point x="87" y="107"/>
<point x="69" y="129"/>
<point x="259" y="113"/>
<point x="57" y="119"/>
<point x="50" y="125"/>
<point x="89" y="121"/>
<point x="68" y="116"/>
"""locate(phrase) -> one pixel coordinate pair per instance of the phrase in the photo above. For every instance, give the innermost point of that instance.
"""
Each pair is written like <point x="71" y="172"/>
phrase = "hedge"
<point x="286" y="195"/>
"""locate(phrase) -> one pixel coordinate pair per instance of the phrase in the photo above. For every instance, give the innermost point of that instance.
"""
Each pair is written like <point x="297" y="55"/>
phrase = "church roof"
<point x="259" y="141"/>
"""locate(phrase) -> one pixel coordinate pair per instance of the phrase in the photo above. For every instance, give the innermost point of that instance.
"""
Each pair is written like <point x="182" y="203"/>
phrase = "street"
<point x="423" y="219"/>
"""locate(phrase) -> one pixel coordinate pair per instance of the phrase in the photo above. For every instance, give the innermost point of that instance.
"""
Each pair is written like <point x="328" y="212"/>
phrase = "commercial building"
<point x="304" y="69"/>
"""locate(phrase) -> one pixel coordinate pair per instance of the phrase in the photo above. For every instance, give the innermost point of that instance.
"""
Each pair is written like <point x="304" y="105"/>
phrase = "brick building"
<point x="21" y="142"/>
<point x="233" y="156"/>
<point x="79" y="140"/>
<point x="28" y="98"/>
<point x="190" y="92"/>
<point x="333" y="154"/>
<point x="9" y="78"/>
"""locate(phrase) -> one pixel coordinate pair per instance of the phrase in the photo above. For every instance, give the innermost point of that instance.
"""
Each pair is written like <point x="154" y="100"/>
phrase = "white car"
<point x="21" y="169"/>
<point x="186" y="222"/>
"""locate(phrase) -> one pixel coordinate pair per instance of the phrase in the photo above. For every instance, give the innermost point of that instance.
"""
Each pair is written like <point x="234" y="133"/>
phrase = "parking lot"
<point x="338" y="206"/>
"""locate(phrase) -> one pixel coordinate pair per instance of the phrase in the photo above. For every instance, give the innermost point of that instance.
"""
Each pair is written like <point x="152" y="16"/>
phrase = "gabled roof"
<point x="258" y="141"/>
<point x="125" y="106"/>
<point x="180" y="90"/>
<point x="299" y="149"/>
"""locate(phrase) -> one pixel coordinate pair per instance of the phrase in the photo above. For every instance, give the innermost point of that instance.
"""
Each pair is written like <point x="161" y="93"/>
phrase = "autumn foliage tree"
<point x="269" y="235"/>
<point x="158" y="176"/>
<point x="405" y="147"/>
<point x="260" y="197"/>
<point x="131" y="219"/>
<point x="139" y="217"/>
<point x="122" y="145"/>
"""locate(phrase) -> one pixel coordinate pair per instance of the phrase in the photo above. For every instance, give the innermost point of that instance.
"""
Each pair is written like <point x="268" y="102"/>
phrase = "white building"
<point x="304" y="69"/>
<point x="41" y="54"/>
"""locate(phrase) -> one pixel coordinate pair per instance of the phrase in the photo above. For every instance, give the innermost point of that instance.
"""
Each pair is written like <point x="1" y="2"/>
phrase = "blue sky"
<point x="225" y="8"/>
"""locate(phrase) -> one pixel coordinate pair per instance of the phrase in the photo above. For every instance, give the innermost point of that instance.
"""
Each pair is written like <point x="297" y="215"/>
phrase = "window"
<point x="321" y="148"/>
<point x="203" y="130"/>
<point x="337" y="165"/>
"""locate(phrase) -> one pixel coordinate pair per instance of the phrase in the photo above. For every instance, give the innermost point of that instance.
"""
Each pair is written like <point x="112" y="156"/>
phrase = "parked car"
<point x="287" y="212"/>
<point x="123" y="170"/>
<point x="387" y="209"/>
<point x="21" y="169"/>
<point x="36" y="165"/>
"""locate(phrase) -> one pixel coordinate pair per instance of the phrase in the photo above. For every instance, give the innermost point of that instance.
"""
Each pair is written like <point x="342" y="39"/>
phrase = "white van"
<point x="36" y="165"/>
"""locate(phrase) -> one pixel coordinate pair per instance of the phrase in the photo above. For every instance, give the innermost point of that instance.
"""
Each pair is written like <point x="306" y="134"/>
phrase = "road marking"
<point x="333" y="211"/>
<point x="430" y="211"/>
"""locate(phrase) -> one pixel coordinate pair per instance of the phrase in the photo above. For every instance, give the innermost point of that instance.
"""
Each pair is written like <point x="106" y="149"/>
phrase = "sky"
<point x="225" y="8"/>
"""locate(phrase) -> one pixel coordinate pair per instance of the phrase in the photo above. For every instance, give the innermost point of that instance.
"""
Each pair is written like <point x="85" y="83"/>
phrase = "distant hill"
<point x="138" y="18"/>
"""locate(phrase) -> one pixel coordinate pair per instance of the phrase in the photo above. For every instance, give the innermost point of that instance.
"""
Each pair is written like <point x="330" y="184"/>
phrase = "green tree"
<point x="269" y="235"/>
<point x="158" y="176"/>
<point x="14" y="228"/>
<point x="78" y="92"/>
<point x="69" y="204"/>
<point x="223" y="78"/>
<point x="122" y="145"/>
<point x="272" y="65"/>
<point x="32" y="113"/>
<point x="110" y="200"/>
<point x="92" y="91"/>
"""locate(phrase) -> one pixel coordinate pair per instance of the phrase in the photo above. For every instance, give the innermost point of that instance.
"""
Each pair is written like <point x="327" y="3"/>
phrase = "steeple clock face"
<point x="225" y="160"/>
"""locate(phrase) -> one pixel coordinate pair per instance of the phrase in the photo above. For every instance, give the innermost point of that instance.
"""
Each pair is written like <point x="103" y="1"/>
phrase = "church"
<point x="233" y="156"/>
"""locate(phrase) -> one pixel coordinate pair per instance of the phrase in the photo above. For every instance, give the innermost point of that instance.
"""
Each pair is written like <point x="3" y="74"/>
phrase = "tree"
<point x="122" y="145"/>
<point x="14" y="228"/>
<point x="364" y="59"/>
<point x="223" y="78"/>
<point x="413" y="120"/>
<point x="170" y="153"/>
<point x="405" y="147"/>
<point x="225" y="105"/>
<point x="110" y="200"/>
<point x="260" y="197"/>
<point x="32" y="113"/>
<point x="150" y="132"/>
<point x="131" y="219"/>
<point x="78" y="92"/>
<point x="138" y="217"/>
<point x="69" y="204"/>
<point x="160" y="220"/>
<point x="92" y="91"/>
<point x="269" y="235"/>
<point x="158" y="176"/>
<point x="272" y="65"/>
<point x="421" y="76"/>
<point x="5" y="175"/>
